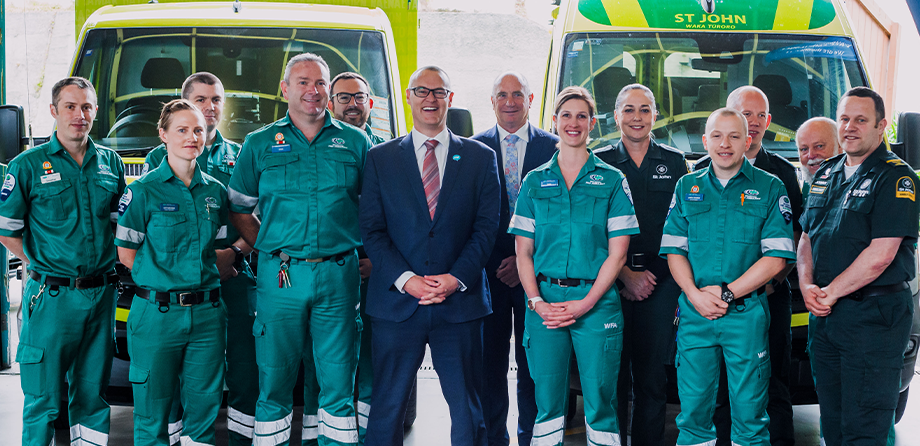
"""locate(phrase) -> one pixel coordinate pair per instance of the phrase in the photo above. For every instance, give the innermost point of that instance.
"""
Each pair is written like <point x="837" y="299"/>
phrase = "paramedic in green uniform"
<point x="57" y="211"/>
<point x="855" y="261"/>
<point x="304" y="173"/>
<point x="728" y="233"/>
<point x="648" y="290"/>
<point x="579" y="205"/>
<point x="238" y="285"/>
<point x="171" y="219"/>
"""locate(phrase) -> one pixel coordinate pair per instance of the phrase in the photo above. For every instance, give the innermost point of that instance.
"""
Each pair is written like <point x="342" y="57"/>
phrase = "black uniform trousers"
<point x="779" y="406"/>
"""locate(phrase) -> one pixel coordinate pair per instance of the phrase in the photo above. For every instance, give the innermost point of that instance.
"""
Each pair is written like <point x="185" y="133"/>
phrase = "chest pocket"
<point x="56" y="201"/>
<point x="545" y="199"/>
<point x="167" y="231"/>
<point x="854" y="218"/>
<point x="591" y="205"/>
<point x="344" y="168"/>
<point x="279" y="172"/>
<point x="660" y="193"/>
<point x="104" y="195"/>
<point x="697" y="215"/>
<point x="748" y="222"/>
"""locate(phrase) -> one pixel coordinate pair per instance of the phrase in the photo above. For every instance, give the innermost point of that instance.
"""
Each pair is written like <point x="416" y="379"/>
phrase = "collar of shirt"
<point x="328" y="121"/>
<point x="56" y="147"/>
<point x="524" y="134"/>
<point x="164" y="173"/>
<point x="747" y="170"/>
<point x="868" y="162"/>
<point x="621" y="155"/>
<point x="440" y="152"/>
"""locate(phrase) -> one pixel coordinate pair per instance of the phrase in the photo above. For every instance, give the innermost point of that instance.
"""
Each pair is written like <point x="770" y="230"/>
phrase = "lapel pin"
<point x="456" y="157"/>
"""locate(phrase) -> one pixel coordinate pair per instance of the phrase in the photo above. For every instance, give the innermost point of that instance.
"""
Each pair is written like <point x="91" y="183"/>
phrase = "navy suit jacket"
<point x="400" y="235"/>
<point x="540" y="149"/>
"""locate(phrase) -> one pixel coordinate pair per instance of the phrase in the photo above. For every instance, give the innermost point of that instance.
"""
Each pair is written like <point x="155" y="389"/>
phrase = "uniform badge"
<point x="827" y="173"/>
<point x="145" y="169"/>
<point x="694" y="194"/>
<point x="905" y="188"/>
<point x="281" y="148"/>
<point x="626" y="189"/>
<point x="785" y="208"/>
<point x="695" y="189"/>
<point x="47" y="166"/>
<point x="661" y="173"/>
<point x="817" y="190"/>
<point x="673" y="203"/>
<point x="279" y="138"/>
<point x="211" y="202"/>
<point x="456" y="158"/>
<point x="51" y="178"/>
<point x="661" y="169"/>
<point x="752" y="195"/>
<point x="9" y="183"/>
<point x="104" y="169"/>
<point x="595" y="180"/>
<point x="549" y="183"/>
<point x="125" y="201"/>
<point x="169" y="207"/>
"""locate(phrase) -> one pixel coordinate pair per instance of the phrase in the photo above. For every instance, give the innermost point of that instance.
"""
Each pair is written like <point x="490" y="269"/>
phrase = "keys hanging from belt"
<point x="284" y="278"/>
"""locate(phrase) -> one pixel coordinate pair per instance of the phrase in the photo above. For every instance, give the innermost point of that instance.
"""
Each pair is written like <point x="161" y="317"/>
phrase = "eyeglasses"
<point x="422" y="92"/>
<point x="344" y="98"/>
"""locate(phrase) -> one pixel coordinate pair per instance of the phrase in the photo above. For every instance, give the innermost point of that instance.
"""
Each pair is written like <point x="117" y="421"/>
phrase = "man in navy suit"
<point x="520" y="148"/>
<point x="429" y="215"/>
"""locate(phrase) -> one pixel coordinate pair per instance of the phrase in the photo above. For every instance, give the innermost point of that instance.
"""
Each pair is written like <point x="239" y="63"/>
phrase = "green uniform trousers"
<point x="182" y="347"/>
<point x="740" y="337"/>
<point x="242" y="371"/>
<point x="66" y="332"/>
<point x="320" y="305"/>
<point x="857" y="355"/>
<point x="364" y="377"/>
<point x="597" y="341"/>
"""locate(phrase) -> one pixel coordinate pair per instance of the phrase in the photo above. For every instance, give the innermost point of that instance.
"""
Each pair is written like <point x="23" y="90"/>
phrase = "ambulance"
<point x="803" y="54"/>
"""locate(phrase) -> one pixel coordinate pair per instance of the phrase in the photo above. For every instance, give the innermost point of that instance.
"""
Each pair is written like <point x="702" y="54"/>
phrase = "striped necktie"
<point x="431" y="178"/>
<point x="512" y="176"/>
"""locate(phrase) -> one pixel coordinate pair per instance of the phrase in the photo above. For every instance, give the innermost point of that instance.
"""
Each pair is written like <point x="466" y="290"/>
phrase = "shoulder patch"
<point x="9" y="183"/>
<point x="785" y="208"/>
<point x="145" y="169"/>
<point x="673" y="203"/>
<point x="627" y="191"/>
<point x="125" y="201"/>
<point x="896" y="162"/>
<point x="905" y="188"/>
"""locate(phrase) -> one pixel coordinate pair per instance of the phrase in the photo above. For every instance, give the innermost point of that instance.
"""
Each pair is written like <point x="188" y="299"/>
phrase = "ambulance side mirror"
<point x="907" y="146"/>
<point x="12" y="132"/>
<point x="460" y="121"/>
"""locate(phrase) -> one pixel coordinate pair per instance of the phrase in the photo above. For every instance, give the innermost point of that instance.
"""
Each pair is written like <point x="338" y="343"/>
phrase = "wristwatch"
<point x="532" y="302"/>
<point x="238" y="261"/>
<point x="727" y="295"/>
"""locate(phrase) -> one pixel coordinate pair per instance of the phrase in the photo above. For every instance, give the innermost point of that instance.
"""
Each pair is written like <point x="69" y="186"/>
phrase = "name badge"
<point x="281" y="148"/>
<point x="693" y="197"/>
<point x="169" y="207"/>
<point x="51" y="178"/>
<point x="549" y="183"/>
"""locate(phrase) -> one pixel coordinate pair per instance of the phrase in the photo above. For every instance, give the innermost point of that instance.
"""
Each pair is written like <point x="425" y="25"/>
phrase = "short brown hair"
<point x="202" y="77"/>
<point x="574" y="92"/>
<point x="173" y="106"/>
<point x="866" y="92"/>
<point x="348" y="75"/>
<point x="725" y="111"/>
<point x="80" y="82"/>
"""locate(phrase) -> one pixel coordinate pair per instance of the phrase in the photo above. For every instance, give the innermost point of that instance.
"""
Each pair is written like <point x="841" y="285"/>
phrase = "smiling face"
<point x="74" y="114"/>
<point x="635" y="116"/>
<point x="429" y="114"/>
<point x="857" y="129"/>
<point x="210" y="100"/>
<point x="753" y="106"/>
<point x="307" y="90"/>
<point x="511" y="103"/>
<point x="574" y="122"/>
<point x="353" y="113"/>
<point x="185" y="135"/>
<point x="817" y="141"/>
<point x="726" y="141"/>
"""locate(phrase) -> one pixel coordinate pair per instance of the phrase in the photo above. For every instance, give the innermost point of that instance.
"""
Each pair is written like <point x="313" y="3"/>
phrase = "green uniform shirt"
<point x="374" y="138"/>
<point x="724" y="231"/>
<point x="218" y="162"/>
<point x="307" y="192"/>
<point x="64" y="213"/>
<point x="174" y="229"/>
<point x="843" y="216"/>
<point x="571" y="228"/>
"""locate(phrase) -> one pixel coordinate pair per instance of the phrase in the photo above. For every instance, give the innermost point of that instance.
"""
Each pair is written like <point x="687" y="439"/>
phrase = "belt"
<point x="739" y="301"/>
<point x="876" y="291"/>
<point x="337" y="257"/>
<point x="637" y="261"/>
<point x="184" y="299"/>
<point x="565" y="283"/>
<point x="80" y="283"/>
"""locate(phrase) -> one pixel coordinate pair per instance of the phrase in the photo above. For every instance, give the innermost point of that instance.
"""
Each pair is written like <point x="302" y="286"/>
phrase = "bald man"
<point x="817" y="141"/>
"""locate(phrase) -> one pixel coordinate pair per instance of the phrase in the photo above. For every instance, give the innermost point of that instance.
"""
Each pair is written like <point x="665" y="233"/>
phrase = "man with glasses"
<point x="304" y="173"/>
<point x="351" y="102"/>
<point x="429" y="237"/>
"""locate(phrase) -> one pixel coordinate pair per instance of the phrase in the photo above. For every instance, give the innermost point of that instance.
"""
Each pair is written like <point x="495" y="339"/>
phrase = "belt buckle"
<point x="561" y="285"/>
<point x="183" y="296"/>
<point x="78" y="283"/>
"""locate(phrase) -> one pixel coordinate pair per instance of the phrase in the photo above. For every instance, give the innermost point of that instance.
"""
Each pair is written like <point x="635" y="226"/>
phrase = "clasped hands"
<point x="562" y="314"/>
<point x="818" y="300"/>
<point x="431" y="289"/>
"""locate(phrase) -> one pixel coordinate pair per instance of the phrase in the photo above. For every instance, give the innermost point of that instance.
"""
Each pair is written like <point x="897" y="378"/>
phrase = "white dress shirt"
<point x="524" y="134"/>
<point x="440" y="153"/>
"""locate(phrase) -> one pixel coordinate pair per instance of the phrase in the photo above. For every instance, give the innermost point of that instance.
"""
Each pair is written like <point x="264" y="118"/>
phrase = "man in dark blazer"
<point x="519" y="148"/>
<point x="429" y="215"/>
